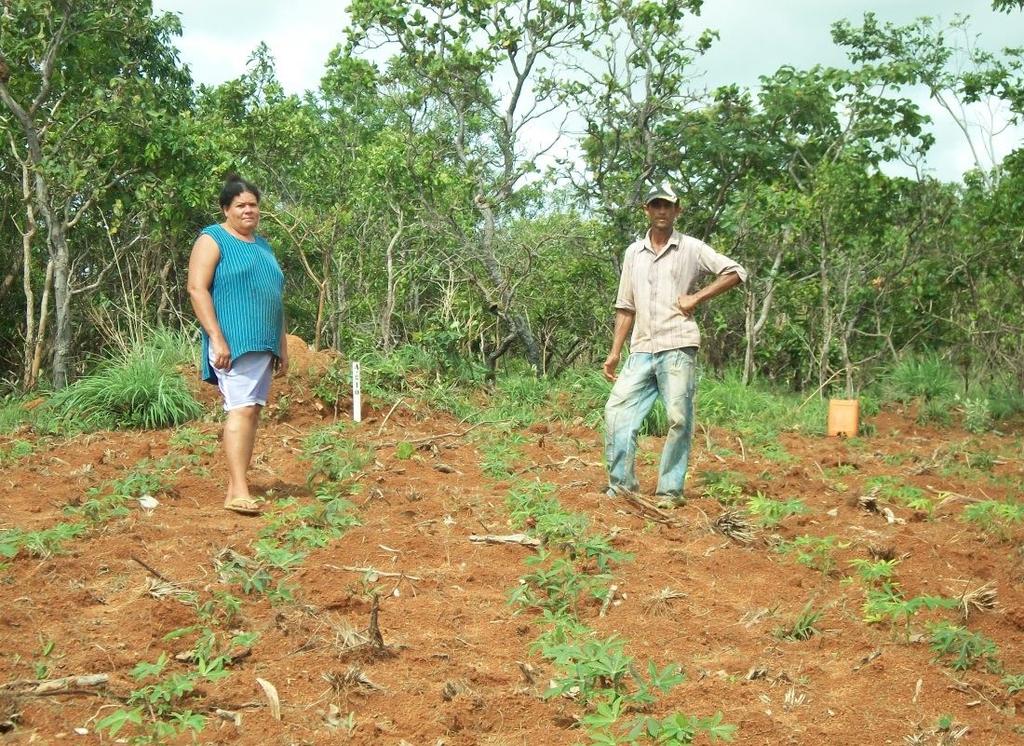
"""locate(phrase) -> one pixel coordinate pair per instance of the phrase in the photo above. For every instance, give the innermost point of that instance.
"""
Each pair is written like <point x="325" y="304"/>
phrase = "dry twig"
<point x="983" y="598"/>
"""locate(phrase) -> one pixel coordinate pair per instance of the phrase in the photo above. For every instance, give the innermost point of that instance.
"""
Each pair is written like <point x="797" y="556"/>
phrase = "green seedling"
<point x="872" y="572"/>
<point x="332" y="456"/>
<point x="887" y="604"/>
<point x="772" y="512"/>
<point x="803" y="627"/>
<point x="15" y="451"/>
<point x="966" y="648"/>
<point x="192" y="441"/>
<point x="50" y="541"/>
<point x="724" y="486"/>
<point x="1014" y="683"/>
<point x="813" y="552"/>
<point x="995" y="517"/>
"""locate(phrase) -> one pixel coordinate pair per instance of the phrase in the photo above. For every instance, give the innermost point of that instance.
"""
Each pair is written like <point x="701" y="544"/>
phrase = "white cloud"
<point x="219" y="37"/>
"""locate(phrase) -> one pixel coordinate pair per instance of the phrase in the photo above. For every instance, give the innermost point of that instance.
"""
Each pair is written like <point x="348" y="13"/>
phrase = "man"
<point x="656" y="299"/>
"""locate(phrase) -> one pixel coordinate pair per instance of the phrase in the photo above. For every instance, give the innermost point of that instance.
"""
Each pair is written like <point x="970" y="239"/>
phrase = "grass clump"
<point x="12" y="414"/>
<point x="802" y="627"/>
<point x="926" y="377"/>
<point x="141" y="389"/>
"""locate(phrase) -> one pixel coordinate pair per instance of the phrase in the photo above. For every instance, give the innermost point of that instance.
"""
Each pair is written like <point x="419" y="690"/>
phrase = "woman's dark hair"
<point x="235" y="185"/>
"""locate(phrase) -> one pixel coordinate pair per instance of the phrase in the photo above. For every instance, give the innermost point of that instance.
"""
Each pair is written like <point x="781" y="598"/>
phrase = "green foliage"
<point x="15" y="451"/>
<point x="1014" y="684"/>
<point x="903" y="494"/>
<point x="193" y="441"/>
<point x="497" y="460"/>
<point x="556" y="585"/>
<point x="43" y="543"/>
<point x="935" y="412"/>
<point x="724" y="486"/>
<point x="112" y="498"/>
<point x="994" y="516"/>
<point x="333" y="456"/>
<point x="927" y="377"/>
<point x="771" y="512"/>
<point x="887" y="603"/>
<point x="966" y="648"/>
<point x="531" y="507"/>
<point x="591" y="667"/>
<point x="12" y="414"/>
<point x="977" y="415"/>
<point x="813" y="551"/>
<point x="872" y="572"/>
<point x="137" y="389"/>
<point x="404" y="451"/>
<point x="1004" y="398"/>
<point x="802" y="627"/>
<point x="161" y="700"/>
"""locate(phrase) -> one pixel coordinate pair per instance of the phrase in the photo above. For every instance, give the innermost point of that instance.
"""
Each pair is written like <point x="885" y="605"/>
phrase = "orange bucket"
<point x="843" y="417"/>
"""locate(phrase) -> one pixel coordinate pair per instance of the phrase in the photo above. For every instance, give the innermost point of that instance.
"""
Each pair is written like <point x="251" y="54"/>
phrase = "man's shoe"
<point x="669" y="502"/>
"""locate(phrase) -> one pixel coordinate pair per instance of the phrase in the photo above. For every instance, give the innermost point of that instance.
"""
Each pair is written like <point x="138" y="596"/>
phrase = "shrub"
<point x="1005" y="399"/>
<point x="977" y="415"/>
<point x="12" y="414"/>
<point x="138" y="389"/>
<point x="927" y="377"/>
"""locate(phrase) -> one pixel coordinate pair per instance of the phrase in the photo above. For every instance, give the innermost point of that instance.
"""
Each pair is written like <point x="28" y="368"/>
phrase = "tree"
<point x="85" y="84"/>
<point x="477" y="67"/>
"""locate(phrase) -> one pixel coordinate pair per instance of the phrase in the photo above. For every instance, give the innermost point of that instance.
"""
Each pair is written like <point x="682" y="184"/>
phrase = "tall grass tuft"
<point x="927" y="377"/>
<point x="727" y="402"/>
<point x="1005" y="399"/>
<point x="12" y="414"/>
<point x="136" y="389"/>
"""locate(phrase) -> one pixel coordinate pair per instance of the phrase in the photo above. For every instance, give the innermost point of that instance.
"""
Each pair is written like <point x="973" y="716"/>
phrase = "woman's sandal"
<point x="243" y="506"/>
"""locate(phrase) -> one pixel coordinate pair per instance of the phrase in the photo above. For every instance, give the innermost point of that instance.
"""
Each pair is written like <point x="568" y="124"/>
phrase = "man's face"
<point x="661" y="213"/>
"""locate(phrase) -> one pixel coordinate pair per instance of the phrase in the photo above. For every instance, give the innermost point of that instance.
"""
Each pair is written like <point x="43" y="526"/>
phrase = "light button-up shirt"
<point x="651" y="283"/>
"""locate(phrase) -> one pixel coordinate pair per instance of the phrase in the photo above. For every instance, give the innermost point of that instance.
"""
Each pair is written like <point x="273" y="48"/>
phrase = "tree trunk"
<point x="519" y="323"/>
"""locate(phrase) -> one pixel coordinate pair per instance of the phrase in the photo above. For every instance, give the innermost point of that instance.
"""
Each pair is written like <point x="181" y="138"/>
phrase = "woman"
<point x="236" y="288"/>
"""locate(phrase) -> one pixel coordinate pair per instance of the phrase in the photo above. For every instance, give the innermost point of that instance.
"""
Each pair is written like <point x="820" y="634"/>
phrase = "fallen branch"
<point x="65" y="685"/>
<point x="432" y="438"/>
<point x="564" y="462"/>
<point x="388" y="416"/>
<point x="153" y="572"/>
<point x="373" y="571"/>
<point x="523" y="539"/>
<point x="649" y="510"/>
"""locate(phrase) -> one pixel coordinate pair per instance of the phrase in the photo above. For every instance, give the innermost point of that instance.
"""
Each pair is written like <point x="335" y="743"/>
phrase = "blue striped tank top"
<point x="247" y="291"/>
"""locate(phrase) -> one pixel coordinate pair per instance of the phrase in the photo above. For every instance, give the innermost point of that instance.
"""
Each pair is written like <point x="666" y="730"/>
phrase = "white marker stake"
<point x="357" y="393"/>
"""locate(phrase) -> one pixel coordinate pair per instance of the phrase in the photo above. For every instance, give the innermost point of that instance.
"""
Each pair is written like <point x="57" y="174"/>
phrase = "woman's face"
<point x="243" y="214"/>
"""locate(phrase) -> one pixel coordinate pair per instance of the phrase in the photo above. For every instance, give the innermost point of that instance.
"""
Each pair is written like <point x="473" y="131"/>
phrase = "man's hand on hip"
<point x="688" y="304"/>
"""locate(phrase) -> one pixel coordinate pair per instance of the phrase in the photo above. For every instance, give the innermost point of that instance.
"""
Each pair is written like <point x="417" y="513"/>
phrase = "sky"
<point x="757" y="37"/>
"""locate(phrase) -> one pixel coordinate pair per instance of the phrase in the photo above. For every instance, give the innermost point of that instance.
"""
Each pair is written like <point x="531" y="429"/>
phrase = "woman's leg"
<point x="239" y="438"/>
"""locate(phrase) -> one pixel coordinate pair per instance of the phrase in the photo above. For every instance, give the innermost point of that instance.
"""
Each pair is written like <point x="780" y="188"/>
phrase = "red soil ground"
<point x="454" y="676"/>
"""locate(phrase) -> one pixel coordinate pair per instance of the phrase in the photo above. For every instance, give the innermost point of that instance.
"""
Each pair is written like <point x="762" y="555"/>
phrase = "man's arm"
<point x="688" y="303"/>
<point x="623" y="324"/>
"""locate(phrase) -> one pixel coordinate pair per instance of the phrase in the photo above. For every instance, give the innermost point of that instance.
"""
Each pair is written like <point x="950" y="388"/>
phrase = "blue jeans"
<point x="672" y="374"/>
